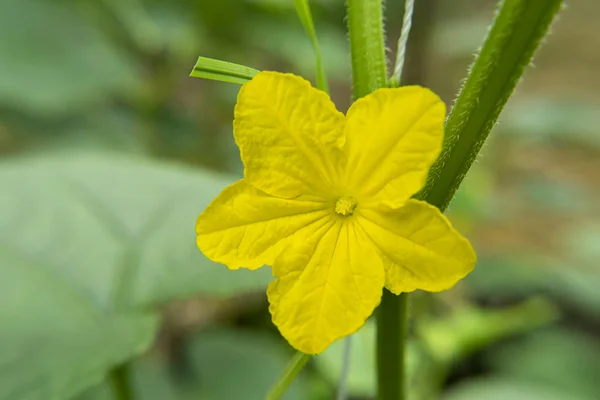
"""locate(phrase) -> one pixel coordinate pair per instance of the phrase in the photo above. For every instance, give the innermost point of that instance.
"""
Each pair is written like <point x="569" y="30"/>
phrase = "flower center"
<point x="345" y="205"/>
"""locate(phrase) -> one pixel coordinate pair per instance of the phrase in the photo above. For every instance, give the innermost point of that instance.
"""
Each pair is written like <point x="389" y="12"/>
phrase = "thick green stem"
<point x="365" y="29"/>
<point x="392" y="315"/>
<point x="285" y="380"/>
<point x="516" y="33"/>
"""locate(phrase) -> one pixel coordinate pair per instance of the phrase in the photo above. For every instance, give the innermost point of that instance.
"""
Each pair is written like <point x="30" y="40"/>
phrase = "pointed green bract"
<point x="218" y="70"/>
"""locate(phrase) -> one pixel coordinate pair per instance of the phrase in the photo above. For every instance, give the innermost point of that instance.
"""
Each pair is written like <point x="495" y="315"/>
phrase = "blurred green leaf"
<point x="469" y="330"/>
<point x="557" y="197"/>
<point x="361" y="375"/>
<point x="583" y="245"/>
<point x="139" y="26"/>
<point x="500" y="389"/>
<point x="220" y="364"/>
<point x="150" y="379"/>
<point x="181" y="34"/>
<point x="439" y="344"/>
<point x="291" y="46"/>
<point x="286" y="5"/>
<point x="459" y="37"/>
<point x="504" y="277"/>
<point x="85" y="240"/>
<point x="474" y="199"/>
<point x="55" y="339"/>
<point x="539" y="118"/>
<point x="54" y="62"/>
<point x="564" y="360"/>
<point x="92" y="200"/>
<point x="237" y="365"/>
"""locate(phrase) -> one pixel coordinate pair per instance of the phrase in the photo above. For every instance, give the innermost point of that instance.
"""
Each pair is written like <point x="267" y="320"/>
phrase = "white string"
<point x="409" y="6"/>
<point x="342" y="393"/>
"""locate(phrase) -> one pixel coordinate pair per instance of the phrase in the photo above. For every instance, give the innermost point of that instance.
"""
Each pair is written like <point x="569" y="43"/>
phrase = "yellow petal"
<point x="328" y="284"/>
<point x="392" y="138"/>
<point x="421" y="250"/>
<point x="244" y="227"/>
<point x="289" y="135"/>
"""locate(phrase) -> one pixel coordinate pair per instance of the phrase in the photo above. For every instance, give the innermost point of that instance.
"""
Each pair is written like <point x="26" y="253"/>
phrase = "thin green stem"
<point x="365" y="29"/>
<point x="346" y="359"/>
<point x="119" y="382"/>
<point x="392" y="317"/>
<point x="289" y="374"/>
<point x="303" y="10"/>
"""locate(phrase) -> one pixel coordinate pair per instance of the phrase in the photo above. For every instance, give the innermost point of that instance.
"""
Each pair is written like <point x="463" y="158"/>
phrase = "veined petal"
<point x="392" y="138"/>
<point x="246" y="228"/>
<point x="327" y="285"/>
<point x="289" y="135"/>
<point x="421" y="250"/>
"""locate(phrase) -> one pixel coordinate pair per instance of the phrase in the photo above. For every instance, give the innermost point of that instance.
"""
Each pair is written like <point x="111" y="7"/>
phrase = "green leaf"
<point x="571" y="282"/>
<point x="290" y="46"/>
<point x="471" y="329"/>
<point x="220" y="364"/>
<point x="565" y="360"/>
<point x="54" y="62"/>
<point x="516" y="33"/>
<point x="96" y="200"/>
<point x="570" y="120"/>
<point x="303" y="11"/>
<point x="503" y="389"/>
<point x="208" y="68"/>
<point x="222" y="357"/>
<point x="361" y="375"/>
<point x="55" y="340"/>
<point x="440" y="343"/>
<point x="87" y="243"/>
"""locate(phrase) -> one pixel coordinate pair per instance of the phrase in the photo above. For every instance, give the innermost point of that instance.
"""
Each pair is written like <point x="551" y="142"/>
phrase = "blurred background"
<point x="109" y="151"/>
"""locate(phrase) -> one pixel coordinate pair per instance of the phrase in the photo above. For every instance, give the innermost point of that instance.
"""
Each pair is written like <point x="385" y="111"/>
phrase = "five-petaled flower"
<point x="326" y="201"/>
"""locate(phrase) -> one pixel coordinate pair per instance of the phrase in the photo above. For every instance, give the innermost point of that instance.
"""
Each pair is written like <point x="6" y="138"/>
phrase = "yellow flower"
<point x="326" y="201"/>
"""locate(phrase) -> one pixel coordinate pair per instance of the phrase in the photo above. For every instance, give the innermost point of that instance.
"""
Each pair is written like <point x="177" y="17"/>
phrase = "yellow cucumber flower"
<point x="326" y="201"/>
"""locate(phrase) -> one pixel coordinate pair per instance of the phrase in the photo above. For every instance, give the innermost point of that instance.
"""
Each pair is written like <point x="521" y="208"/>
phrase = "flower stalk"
<point x="365" y="30"/>
<point x="369" y="73"/>
<point x="287" y="377"/>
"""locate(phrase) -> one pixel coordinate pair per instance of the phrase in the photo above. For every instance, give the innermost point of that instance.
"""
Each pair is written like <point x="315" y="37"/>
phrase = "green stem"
<point x="365" y="29"/>
<point x="303" y="10"/>
<point x="285" y="380"/>
<point x="517" y="31"/>
<point x="119" y="382"/>
<point x="392" y="316"/>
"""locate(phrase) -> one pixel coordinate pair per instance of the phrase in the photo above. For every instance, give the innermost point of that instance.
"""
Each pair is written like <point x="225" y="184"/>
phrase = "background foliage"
<point x="108" y="151"/>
